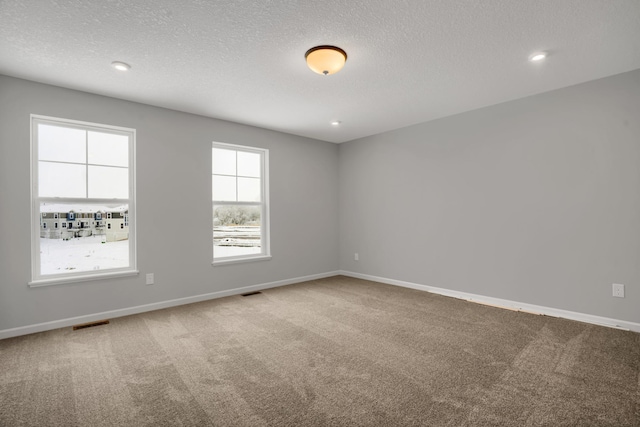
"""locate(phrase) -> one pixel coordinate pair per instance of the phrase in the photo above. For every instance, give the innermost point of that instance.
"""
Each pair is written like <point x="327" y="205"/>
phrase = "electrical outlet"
<point x="356" y="257"/>
<point x="150" y="279"/>
<point x="618" y="290"/>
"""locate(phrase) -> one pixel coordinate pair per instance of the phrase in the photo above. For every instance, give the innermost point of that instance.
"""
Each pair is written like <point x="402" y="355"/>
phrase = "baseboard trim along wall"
<point x="503" y="303"/>
<point x="63" y="323"/>
<point x="480" y="299"/>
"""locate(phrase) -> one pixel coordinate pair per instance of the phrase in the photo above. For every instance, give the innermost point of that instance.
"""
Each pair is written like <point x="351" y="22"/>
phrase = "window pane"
<point x="224" y="161"/>
<point x="83" y="243"/>
<point x="108" y="149"/>
<point x="224" y="188"/>
<point x="108" y="182"/>
<point x="248" y="189"/>
<point x="236" y="230"/>
<point x="248" y="164"/>
<point x="61" y="144"/>
<point x="61" y="180"/>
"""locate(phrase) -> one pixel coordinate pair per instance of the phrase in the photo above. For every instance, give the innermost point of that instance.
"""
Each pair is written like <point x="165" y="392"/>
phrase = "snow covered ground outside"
<point x="59" y="256"/>
<point x="222" y="251"/>
<point x="236" y="240"/>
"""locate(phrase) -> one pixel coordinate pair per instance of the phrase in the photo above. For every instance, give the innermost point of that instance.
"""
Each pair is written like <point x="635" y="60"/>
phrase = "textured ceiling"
<point x="410" y="61"/>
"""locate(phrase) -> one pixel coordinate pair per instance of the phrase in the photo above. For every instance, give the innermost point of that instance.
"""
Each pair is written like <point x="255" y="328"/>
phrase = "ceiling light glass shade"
<point x="326" y="59"/>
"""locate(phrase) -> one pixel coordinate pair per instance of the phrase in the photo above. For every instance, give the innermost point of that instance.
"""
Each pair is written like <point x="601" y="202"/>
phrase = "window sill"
<point x="85" y="278"/>
<point x="240" y="260"/>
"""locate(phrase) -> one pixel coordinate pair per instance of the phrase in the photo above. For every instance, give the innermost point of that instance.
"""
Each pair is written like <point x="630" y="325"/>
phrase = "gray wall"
<point x="173" y="187"/>
<point x="535" y="200"/>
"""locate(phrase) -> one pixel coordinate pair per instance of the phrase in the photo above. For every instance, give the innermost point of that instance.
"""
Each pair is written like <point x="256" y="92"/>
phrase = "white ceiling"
<point x="409" y="61"/>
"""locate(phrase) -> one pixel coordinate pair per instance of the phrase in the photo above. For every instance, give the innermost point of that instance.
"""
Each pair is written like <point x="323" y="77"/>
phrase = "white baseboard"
<point x="503" y="303"/>
<point x="62" y="323"/>
<point x="497" y="302"/>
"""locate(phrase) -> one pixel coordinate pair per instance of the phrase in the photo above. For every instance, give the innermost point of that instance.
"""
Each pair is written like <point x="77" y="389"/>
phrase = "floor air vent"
<point x="90" y="324"/>
<point x="248" y="294"/>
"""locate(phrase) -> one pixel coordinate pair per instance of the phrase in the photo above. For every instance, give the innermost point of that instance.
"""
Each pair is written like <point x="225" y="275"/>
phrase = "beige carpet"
<point x="332" y="352"/>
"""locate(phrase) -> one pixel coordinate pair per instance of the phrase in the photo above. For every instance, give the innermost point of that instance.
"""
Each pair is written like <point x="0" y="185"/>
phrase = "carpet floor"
<point x="331" y="352"/>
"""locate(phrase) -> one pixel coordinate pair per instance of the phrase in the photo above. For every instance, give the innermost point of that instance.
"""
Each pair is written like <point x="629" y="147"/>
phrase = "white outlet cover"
<point x="618" y="290"/>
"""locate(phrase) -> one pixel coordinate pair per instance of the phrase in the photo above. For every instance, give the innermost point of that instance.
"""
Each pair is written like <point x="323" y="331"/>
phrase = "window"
<point x="81" y="169"/>
<point x="240" y="195"/>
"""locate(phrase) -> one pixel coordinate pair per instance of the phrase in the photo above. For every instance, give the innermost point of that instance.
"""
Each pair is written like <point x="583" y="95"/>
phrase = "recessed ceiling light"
<point x="538" y="56"/>
<point x="336" y="123"/>
<point x="121" y="66"/>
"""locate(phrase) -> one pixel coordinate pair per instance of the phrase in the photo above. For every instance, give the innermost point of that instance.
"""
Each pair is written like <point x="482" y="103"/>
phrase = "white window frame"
<point x="38" y="279"/>
<point x="265" y="245"/>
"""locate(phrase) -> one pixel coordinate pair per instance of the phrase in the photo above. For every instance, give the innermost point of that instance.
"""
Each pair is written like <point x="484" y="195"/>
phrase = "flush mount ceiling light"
<point x="326" y="59"/>
<point x="336" y="123"/>
<point x="121" y="66"/>
<point x="537" y="56"/>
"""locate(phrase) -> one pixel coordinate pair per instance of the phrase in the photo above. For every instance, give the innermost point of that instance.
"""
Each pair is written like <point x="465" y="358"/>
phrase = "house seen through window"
<point x="82" y="173"/>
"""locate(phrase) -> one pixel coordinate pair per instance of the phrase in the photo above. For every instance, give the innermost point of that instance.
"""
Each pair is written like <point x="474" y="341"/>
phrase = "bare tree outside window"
<point x="240" y="209"/>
